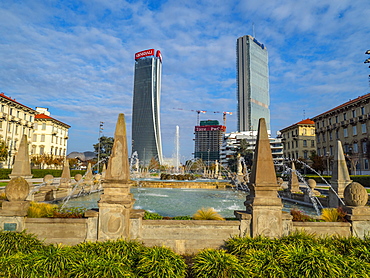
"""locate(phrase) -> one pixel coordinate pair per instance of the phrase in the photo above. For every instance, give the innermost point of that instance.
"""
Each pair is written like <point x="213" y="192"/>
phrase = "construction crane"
<point x="224" y="115"/>
<point x="198" y="111"/>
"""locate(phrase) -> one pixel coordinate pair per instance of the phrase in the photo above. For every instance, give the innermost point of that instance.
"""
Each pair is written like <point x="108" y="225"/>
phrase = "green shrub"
<point x="185" y="217"/>
<point x="217" y="264"/>
<point x="160" y="262"/>
<point x="152" y="216"/>
<point x="239" y="245"/>
<point x="14" y="242"/>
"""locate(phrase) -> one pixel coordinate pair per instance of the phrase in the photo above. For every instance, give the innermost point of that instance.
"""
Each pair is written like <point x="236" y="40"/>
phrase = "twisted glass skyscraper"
<point x="146" y="133"/>
<point x="252" y="83"/>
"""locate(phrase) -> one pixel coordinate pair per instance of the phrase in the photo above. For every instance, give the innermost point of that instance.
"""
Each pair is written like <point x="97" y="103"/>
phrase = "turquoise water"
<point x="183" y="201"/>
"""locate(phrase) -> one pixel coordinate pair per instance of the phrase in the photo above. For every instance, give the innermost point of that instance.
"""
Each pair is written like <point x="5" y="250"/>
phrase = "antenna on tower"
<point x="253" y="33"/>
<point x="304" y="114"/>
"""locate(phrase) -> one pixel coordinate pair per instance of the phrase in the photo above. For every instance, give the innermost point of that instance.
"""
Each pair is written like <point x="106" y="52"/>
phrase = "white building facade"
<point x="232" y="140"/>
<point x="16" y="120"/>
<point x="50" y="135"/>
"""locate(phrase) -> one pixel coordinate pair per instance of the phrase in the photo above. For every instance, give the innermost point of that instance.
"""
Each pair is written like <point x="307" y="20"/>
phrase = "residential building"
<point x="299" y="139"/>
<point x="146" y="131"/>
<point x="208" y="140"/>
<point x="349" y="123"/>
<point x="50" y="135"/>
<point x="231" y="143"/>
<point x="252" y="83"/>
<point x="16" y="119"/>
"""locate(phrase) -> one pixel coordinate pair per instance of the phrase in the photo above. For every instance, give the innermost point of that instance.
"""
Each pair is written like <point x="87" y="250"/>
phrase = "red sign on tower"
<point x="149" y="52"/>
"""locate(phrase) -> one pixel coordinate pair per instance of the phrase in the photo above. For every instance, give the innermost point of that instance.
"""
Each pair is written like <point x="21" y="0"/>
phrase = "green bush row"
<point x="362" y="179"/>
<point x="40" y="173"/>
<point x="296" y="255"/>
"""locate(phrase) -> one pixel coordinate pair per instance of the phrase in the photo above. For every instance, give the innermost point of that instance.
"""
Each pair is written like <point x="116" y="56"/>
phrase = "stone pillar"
<point x="355" y="198"/>
<point x="293" y="184"/>
<point x="263" y="202"/>
<point x="340" y="177"/>
<point x="65" y="179"/>
<point x="116" y="202"/>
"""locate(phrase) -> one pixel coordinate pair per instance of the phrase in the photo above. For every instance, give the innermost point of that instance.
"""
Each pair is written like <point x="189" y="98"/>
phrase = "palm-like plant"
<point x="160" y="262"/>
<point x="218" y="264"/>
<point x="207" y="214"/>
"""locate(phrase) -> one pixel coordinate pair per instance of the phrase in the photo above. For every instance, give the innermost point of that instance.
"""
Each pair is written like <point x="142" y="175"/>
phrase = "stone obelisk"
<point x="293" y="184"/>
<point x="116" y="201"/>
<point x="263" y="201"/>
<point x="22" y="165"/>
<point x="340" y="177"/>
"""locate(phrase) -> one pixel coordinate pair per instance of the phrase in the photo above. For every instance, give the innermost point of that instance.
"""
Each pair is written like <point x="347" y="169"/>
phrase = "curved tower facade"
<point x="252" y="83"/>
<point x="146" y="132"/>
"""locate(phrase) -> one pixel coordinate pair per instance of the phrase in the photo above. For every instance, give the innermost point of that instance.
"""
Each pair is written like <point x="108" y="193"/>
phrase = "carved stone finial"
<point x="355" y="195"/>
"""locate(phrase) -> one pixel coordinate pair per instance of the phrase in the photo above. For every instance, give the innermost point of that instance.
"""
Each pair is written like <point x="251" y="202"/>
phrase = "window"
<point x="312" y="143"/>
<point x="318" y="151"/>
<point x="355" y="148"/>
<point x="345" y="132"/>
<point x="36" y="126"/>
<point x="364" y="147"/>
<point x="354" y="130"/>
<point x="312" y="131"/>
<point x="33" y="151"/>
<point x="34" y="139"/>
<point x="296" y="145"/>
<point x="323" y="137"/>
<point x="363" y="128"/>
<point x="288" y="145"/>
<point x="41" y="149"/>
<point x="9" y="127"/>
<point x="305" y="155"/>
<point x="42" y="138"/>
<point x="324" y="151"/>
<point x="336" y="119"/>
<point x="1" y="124"/>
<point x="362" y="110"/>
<point x="366" y="164"/>
<point x="331" y="150"/>
<point x="336" y="134"/>
<point x="346" y="148"/>
<point x="43" y="126"/>
<point x="304" y="143"/>
<point x="56" y="151"/>
<point x="330" y="136"/>
<point x="16" y="129"/>
<point x="318" y="139"/>
<point x="11" y="111"/>
<point x="353" y="113"/>
<point x="344" y="116"/>
<point x="329" y="121"/>
<point x="304" y="131"/>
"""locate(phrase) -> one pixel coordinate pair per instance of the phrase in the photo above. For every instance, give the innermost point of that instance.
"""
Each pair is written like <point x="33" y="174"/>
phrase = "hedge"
<point x="40" y="173"/>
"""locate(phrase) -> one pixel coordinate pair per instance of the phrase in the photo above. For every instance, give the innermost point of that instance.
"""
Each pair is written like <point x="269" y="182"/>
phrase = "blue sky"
<point x="77" y="59"/>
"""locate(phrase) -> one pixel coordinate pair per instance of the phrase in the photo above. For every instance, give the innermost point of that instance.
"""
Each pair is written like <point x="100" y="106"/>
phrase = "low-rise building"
<point x="349" y="123"/>
<point x="299" y="139"/>
<point x="231" y="143"/>
<point x="16" y="119"/>
<point x="50" y="135"/>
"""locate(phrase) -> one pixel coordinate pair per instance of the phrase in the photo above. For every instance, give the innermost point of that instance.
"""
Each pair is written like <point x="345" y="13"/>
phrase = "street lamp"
<point x="100" y="132"/>
<point x="327" y="162"/>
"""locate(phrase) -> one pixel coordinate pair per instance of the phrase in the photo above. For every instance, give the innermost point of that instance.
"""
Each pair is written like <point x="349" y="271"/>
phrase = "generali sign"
<point x="149" y="52"/>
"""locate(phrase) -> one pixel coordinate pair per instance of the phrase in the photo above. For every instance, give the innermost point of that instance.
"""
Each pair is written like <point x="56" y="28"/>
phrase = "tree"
<point x="317" y="162"/>
<point x="154" y="164"/>
<point x="106" y="145"/>
<point x="3" y="151"/>
<point x="244" y="151"/>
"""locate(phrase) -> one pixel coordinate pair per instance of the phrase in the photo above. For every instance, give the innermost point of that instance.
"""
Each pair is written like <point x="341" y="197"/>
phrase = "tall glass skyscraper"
<point x="146" y="132"/>
<point x="252" y="83"/>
